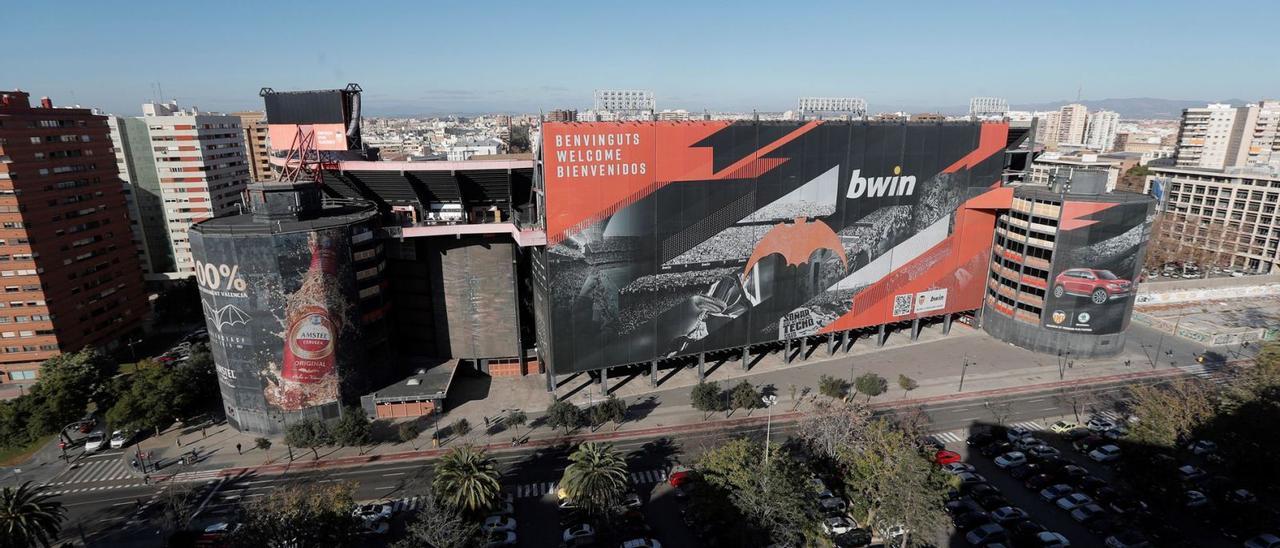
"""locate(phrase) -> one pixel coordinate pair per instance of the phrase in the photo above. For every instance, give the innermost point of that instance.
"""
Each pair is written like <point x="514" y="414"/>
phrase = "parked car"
<point x="1073" y="501"/>
<point x="1127" y="539"/>
<point x="1021" y="473"/>
<point x="1040" y="481"/>
<point x="1105" y="454"/>
<point x="1203" y="447"/>
<point x="579" y="531"/>
<point x="996" y="448"/>
<point x="1043" y="451"/>
<point x="642" y="543"/>
<point x="832" y="506"/>
<point x="992" y="500"/>
<point x="838" y="525"/>
<point x="1050" y="539"/>
<point x="1266" y="540"/>
<point x="945" y="457"/>
<point x="1100" y="286"/>
<point x="1100" y="424"/>
<point x="1012" y="459"/>
<point x="1028" y="442"/>
<point x="986" y="534"/>
<point x="1074" y="472"/>
<point x="1188" y="472"/>
<point x="1055" y="492"/>
<point x="971" y="520"/>
<point x="979" y="439"/>
<point x="856" y="538"/>
<point x="499" y="523"/>
<point x="1008" y="514"/>
<point x="1016" y="433"/>
<point x="497" y="539"/>
<point x="1241" y="496"/>
<point x="94" y="442"/>
<point x="1127" y="506"/>
<point x="631" y="500"/>
<point x="971" y="478"/>
<point x="1194" y="499"/>
<point x="961" y="506"/>
<point x="1088" y="513"/>
<point x="87" y="424"/>
<point x="1088" y="443"/>
<point x="957" y="468"/>
<point x="679" y="475"/>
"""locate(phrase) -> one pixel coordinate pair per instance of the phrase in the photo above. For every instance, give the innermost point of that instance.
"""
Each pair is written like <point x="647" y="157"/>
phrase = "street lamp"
<point x="963" y="369"/>
<point x="769" y="401"/>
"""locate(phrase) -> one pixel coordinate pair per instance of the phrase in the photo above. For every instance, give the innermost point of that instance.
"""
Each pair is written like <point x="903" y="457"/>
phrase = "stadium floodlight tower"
<point x="853" y="107"/>
<point x="624" y="101"/>
<point x="981" y="108"/>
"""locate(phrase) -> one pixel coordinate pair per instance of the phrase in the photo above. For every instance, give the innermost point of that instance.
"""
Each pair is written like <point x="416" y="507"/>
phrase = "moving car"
<point x="1012" y="459"/>
<point x="373" y="512"/>
<point x="94" y="442"/>
<point x="119" y="438"/>
<point x="1100" y="286"/>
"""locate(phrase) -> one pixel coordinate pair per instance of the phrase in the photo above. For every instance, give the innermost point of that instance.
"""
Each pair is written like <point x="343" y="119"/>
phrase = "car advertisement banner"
<point x="1097" y="258"/>
<point x="671" y="238"/>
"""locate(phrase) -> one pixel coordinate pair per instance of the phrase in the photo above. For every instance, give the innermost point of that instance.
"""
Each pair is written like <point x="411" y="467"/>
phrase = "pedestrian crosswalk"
<point x="1203" y="372"/>
<point x="95" y="471"/>
<point x="408" y="504"/>
<point x="97" y="488"/>
<point x="542" y="488"/>
<point x="943" y="438"/>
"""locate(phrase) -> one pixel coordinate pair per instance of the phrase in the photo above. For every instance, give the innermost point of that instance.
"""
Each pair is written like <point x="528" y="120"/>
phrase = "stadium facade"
<point x="655" y="244"/>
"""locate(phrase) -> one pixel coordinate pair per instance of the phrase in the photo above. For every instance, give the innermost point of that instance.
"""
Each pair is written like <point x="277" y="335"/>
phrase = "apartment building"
<point x="253" y="126"/>
<point x="1100" y="130"/>
<point x="1072" y="121"/>
<point x="1225" y="218"/>
<point x="67" y="263"/>
<point x="194" y="164"/>
<point x="1220" y="136"/>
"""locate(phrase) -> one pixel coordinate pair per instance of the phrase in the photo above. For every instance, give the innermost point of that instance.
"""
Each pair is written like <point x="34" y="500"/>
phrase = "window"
<point x="22" y="375"/>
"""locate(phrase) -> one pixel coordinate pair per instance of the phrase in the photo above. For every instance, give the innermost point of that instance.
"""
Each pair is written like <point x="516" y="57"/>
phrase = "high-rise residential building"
<point x="562" y="115"/>
<point x="182" y="167"/>
<point x="67" y="262"/>
<point x="1072" y="121"/>
<point x="1100" y="130"/>
<point x="1214" y="217"/>
<point x="256" y="147"/>
<point x="1047" y="128"/>
<point x="1219" y="136"/>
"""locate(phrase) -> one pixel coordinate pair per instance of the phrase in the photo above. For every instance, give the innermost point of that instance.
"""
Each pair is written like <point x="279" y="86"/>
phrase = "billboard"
<point x="279" y="314"/>
<point x="1096" y="262"/>
<point x="671" y="238"/>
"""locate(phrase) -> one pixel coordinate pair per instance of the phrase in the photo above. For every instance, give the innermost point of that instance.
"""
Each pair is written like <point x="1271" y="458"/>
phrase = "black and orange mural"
<point x="671" y="238"/>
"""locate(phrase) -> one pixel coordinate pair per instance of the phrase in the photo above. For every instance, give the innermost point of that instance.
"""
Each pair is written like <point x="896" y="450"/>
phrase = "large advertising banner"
<point x="1097" y="259"/>
<point x="671" y="238"/>
<point x="277" y="310"/>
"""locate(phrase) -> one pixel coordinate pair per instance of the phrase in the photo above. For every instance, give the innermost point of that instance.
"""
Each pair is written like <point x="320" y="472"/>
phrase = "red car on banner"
<point x="1100" y="286"/>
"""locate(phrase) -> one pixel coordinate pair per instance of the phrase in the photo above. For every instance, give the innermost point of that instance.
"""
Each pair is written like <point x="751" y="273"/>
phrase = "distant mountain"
<point x="1140" y="108"/>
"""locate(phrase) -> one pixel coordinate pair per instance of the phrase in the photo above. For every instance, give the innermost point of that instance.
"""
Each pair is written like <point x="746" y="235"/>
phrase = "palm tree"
<point x="28" y="517"/>
<point x="467" y="479"/>
<point x="596" y="477"/>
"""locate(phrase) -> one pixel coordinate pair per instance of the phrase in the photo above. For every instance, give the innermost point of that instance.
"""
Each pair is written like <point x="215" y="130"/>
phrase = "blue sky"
<point x="430" y="57"/>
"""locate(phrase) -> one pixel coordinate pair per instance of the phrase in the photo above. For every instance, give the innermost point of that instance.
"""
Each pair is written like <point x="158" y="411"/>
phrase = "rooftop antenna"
<point x="1079" y="92"/>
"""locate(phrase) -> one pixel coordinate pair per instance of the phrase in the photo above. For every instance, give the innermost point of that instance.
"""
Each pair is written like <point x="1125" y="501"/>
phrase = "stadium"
<point x="652" y="244"/>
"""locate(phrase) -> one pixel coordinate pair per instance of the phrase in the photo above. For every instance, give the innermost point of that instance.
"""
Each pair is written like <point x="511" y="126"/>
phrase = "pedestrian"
<point x="486" y="421"/>
<point x="138" y="502"/>
<point x="177" y="441"/>
<point x="146" y="479"/>
<point x="238" y="451"/>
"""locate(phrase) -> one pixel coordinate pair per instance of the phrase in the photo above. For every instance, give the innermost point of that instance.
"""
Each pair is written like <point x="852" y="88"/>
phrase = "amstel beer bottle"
<point x="313" y="326"/>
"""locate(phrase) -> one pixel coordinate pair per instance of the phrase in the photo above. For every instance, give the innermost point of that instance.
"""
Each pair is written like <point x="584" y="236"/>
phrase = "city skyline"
<point x="458" y="59"/>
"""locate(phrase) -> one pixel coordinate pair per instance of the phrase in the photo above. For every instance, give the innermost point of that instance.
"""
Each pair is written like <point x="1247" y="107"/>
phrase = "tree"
<point x="870" y="385"/>
<point x="517" y="418"/>
<point x="562" y="414"/>
<point x="29" y="517"/>
<point x="832" y="426"/>
<point x="353" y="428"/>
<point x="774" y="501"/>
<point x="892" y="484"/>
<point x="460" y="427"/>
<point x="302" y="514"/>
<point x="1167" y="415"/>
<point x="907" y="384"/>
<point x="706" y="397"/>
<point x="467" y="479"/>
<point x="596" y="478"/>
<point x="832" y="387"/>
<point x="609" y="409"/>
<point x="744" y="396"/>
<point x="308" y="434"/>
<point x="437" y="523"/>
<point x="407" y="432"/>
<point x="264" y="445"/>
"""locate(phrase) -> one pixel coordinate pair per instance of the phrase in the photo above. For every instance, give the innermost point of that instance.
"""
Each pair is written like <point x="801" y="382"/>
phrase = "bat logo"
<point x="229" y="315"/>
<point x="796" y="242"/>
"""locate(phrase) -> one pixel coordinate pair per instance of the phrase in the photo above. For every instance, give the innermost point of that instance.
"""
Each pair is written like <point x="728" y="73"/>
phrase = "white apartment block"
<point x="196" y="167"/>
<point x="1072" y="121"/>
<point x="1100" y="130"/>
<point x="1229" y="214"/>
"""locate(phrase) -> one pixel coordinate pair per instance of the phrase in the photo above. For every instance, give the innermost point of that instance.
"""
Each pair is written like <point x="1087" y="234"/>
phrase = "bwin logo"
<point x="876" y="187"/>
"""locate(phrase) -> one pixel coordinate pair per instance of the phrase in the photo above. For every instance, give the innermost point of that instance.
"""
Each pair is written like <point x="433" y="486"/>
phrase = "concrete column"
<point x="831" y="341"/>
<point x="702" y="364"/>
<point x="653" y="373"/>
<point x="746" y="356"/>
<point x="551" y="380"/>
<point x="804" y="348"/>
<point x="881" y="336"/>
<point x="915" y="329"/>
<point x="786" y="354"/>
<point x="604" y="382"/>
<point x="846" y="340"/>
<point x="946" y="324"/>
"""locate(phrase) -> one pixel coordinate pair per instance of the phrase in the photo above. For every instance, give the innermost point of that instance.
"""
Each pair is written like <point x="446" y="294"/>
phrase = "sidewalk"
<point x="1003" y="370"/>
